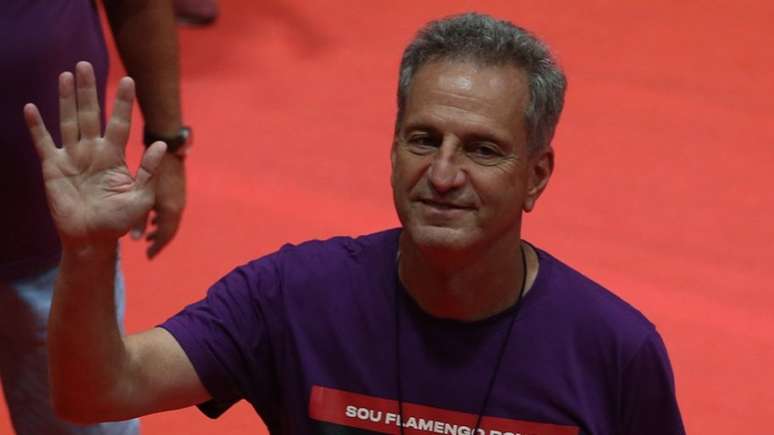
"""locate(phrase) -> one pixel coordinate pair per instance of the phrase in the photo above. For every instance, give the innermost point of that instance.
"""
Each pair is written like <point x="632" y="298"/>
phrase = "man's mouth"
<point x="444" y="205"/>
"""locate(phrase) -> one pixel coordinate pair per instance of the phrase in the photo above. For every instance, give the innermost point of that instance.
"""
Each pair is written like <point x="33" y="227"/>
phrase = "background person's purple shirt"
<point x="318" y="321"/>
<point x="38" y="40"/>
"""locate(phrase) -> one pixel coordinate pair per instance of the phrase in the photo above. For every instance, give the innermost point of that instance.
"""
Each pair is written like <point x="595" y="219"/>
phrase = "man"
<point x="39" y="40"/>
<point x="450" y="324"/>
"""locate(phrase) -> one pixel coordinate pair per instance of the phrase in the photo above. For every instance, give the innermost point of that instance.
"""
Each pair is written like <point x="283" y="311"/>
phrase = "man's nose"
<point x="445" y="172"/>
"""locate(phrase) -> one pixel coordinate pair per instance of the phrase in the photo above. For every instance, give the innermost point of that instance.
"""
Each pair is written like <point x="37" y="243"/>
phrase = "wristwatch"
<point x="177" y="144"/>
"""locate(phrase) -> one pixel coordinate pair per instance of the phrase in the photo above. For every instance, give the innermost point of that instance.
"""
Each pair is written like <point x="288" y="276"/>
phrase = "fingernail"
<point x="135" y="234"/>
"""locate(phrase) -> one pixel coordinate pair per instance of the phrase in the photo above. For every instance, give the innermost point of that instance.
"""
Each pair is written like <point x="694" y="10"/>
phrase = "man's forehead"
<point x="469" y="100"/>
<point x="470" y="77"/>
<point x="464" y="83"/>
<point x="498" y="88"/>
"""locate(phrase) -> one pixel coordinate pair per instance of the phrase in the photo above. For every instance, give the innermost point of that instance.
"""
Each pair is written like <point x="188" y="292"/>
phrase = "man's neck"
<point x="466" y="289"/>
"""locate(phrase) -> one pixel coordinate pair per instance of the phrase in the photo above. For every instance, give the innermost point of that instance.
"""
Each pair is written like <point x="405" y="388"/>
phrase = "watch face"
<point x="186" y="134"/>
<point x="184" y="143"/>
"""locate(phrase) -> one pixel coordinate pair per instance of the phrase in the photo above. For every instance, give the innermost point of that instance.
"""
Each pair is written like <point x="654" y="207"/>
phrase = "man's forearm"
<point x="86" y="351"/>
<point x="146" y="38"/>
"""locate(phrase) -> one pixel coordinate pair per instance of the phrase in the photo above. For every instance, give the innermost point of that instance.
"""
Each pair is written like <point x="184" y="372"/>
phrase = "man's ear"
<point x="541" y="166"/>
<point x="393" y="157"/>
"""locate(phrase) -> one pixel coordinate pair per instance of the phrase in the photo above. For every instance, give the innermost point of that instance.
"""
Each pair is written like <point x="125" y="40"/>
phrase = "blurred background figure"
<point x="39" y="40"/>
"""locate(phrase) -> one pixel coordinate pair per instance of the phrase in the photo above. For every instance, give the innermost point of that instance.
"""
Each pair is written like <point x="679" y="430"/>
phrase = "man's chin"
<point x="429" y="237"/>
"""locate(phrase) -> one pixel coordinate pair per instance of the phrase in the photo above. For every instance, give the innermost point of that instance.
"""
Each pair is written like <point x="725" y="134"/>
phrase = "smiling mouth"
<point x="444" y="205"/>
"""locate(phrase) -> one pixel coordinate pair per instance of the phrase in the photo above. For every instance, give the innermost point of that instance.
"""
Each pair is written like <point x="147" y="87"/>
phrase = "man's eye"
<point x="485" y="150"/>
<point x="422" y="144"/>
<point x="484" y="153"/>
<point x="422" y="141"/>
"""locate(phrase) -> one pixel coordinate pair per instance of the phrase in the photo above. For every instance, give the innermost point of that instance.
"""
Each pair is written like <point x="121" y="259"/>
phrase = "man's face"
<point x="461" y="174"/>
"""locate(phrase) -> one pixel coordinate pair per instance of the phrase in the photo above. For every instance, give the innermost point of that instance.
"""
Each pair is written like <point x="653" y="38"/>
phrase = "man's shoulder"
<point x="338" y="248"/>
<point x="315" y="268"/>
<point x="319" y="261"/>
<point x="582" y="300"/>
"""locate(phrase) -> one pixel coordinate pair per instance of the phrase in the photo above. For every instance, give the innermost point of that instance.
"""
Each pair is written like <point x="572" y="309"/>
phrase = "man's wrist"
<point x="90" y="248"/>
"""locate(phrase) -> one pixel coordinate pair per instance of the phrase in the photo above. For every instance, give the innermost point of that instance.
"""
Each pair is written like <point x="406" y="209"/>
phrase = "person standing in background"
<point x="38" y="40"/>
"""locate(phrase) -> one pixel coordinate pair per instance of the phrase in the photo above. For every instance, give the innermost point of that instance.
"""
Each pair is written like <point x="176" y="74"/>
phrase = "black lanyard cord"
<point x="498" y="361"/>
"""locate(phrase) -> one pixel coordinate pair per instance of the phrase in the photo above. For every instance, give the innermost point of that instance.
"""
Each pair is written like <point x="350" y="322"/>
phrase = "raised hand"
<point x="91" y="193"/>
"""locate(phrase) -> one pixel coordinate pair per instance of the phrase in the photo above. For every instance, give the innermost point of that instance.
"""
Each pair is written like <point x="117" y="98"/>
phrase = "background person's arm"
<point x="97" y="374"/>
<point x="146" y="39"/>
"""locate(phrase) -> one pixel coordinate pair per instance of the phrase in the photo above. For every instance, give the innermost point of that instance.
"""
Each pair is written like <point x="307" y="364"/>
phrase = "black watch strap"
<point x="175" y="144"/>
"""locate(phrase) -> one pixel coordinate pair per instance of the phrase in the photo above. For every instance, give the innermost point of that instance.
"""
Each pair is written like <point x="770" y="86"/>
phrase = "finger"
<point x="168" y="223"/>
<point x="68" y="116"/>
<point x="88" y="101"/>
<point x="159" y="240"/>
<point x="138" y="229"/>
<point x="117" y="130"/>
<point x="44" y="145"/>
<point x="154" y="249"/>
<point x="150" y="163"/>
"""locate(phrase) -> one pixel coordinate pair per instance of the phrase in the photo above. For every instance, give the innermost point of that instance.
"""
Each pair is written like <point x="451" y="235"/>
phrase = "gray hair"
<point x="488" y="42"/>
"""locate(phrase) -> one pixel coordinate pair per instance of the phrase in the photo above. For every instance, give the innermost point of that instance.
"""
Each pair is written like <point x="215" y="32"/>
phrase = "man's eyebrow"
<point x="484" y="137"/>
<point x="420" y="125"/>
<point x="473" y="130"/>
<point x="499" y="138"/>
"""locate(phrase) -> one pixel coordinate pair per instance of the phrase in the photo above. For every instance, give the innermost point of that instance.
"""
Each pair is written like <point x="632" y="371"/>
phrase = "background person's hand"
<point x="91" y="193"/>
<point x="168" y="207"/>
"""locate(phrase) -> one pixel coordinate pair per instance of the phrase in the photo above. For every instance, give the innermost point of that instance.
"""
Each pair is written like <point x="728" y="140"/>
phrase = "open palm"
<point x="91" y="193"/>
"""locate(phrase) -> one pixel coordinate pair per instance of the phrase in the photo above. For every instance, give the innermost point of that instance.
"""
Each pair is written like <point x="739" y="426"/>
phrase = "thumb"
<point x="150" y="163"/>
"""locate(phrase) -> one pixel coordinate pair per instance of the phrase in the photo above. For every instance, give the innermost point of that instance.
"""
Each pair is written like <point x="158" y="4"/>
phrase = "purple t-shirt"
<point x="38" y="40"/>
<point x="307" y="335"/>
